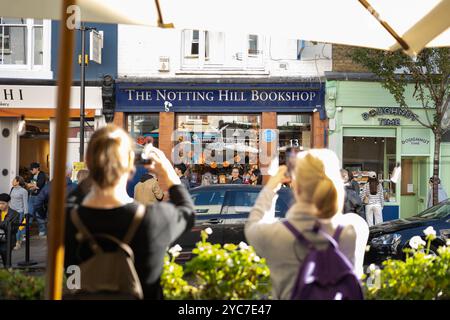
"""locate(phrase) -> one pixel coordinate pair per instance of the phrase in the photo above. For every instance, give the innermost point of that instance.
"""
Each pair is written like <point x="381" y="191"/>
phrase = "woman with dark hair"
<point x="256" y="177"/>
<point x="372" y="196"/>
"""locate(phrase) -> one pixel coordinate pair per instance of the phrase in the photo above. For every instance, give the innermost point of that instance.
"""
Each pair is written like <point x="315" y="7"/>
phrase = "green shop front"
<point x="369" y="132"/>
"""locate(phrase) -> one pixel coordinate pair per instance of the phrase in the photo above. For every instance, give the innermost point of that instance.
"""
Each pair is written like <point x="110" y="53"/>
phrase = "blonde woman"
<point x="107" y="208"/>
<point x="319" y="193"/>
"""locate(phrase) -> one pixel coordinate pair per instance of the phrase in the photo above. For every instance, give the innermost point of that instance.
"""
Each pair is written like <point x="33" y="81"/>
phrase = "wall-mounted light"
<point x="339" y="109"/>
<point x="354" y="139"/>
<point x="22" y="127"/>
<point x="375" y="141"/>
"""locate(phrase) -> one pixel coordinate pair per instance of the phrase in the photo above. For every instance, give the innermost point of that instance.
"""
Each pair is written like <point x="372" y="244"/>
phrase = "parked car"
<point x="225" y="209"/>
<point x="387" y="240"/>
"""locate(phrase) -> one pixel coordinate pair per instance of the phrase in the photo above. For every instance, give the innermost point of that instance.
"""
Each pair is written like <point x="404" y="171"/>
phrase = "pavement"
<point x="38" y="255"/>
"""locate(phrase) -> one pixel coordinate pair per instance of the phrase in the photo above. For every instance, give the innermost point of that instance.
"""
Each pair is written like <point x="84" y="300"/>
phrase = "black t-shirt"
<point x="162" y="224"/>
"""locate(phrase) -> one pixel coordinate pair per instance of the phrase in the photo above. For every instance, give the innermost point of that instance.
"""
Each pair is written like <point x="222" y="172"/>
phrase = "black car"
<point x="387" y="240"/>
<point x="225" y="209"/>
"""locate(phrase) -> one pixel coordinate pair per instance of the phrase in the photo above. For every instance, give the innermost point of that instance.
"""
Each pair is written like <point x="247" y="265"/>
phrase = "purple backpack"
<point x="325" y="274"/>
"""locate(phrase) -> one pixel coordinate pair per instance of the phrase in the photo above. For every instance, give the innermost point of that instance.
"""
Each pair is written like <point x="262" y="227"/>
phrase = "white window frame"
<point x="29" y="70"/>
<point x="245" y="62"/>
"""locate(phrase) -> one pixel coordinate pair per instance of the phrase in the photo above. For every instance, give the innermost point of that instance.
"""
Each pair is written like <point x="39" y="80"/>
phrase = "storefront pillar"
<point x="319" y="128"/>
<point x="268" y="121"/>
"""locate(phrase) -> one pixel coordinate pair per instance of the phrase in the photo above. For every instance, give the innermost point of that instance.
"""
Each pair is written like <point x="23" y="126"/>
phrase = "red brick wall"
<point x="166" y="128"/>
<point x="318" y="131"/>
<point x="268" y="121"/>
<point x="342" y="62"/>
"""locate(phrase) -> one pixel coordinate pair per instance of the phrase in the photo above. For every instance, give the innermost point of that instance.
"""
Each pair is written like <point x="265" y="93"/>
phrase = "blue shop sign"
<point x="220" y="98"/>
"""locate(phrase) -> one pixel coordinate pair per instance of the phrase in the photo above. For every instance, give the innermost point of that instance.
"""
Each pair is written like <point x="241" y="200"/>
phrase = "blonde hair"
<point x="318" y="181"/>
<point x="109" y="156"/>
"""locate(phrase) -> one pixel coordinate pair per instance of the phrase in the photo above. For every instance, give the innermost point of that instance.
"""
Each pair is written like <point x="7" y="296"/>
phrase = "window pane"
<point x="210" y="145"/>
<point x="144" y="128"/>
<point x="364" y="154"/>
<point x="74" y="129"/>
<point x="208" y="202"/>
<point x="294" y="131"/>
<point x="38" y="22"/>
<point x="13" y="42"/>
<point x="253" y="44"/>
<point x="38" y="46"/>
<point x="14" y="21"/>
<point x="243" y="202"/>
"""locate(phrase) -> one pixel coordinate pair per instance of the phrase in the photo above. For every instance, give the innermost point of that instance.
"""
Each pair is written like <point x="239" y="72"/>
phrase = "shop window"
<point x="294" y="131"/>
<point x="144" y="128"/>
<point x="74" y="129"/>
<point x="211" y="145"/>
<point x="446" y="137"/>
<point x="24" y="45"/>
<point x="215" y="51"/>
<point x="378" y="154"/>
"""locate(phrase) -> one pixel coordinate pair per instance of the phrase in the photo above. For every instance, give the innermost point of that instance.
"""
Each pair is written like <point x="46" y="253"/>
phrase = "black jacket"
<point x="163" y="223"/>
<point x="12" y="218"/>
<point x="41" y="181"/>
<point x="352" y="202"/>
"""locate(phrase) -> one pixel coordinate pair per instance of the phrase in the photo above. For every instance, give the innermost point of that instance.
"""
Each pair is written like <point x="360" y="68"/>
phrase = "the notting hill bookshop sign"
<point x="302" y="97"/>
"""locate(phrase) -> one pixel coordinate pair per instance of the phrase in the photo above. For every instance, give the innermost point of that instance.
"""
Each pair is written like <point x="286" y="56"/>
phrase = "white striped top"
<point x="373" y="198"/>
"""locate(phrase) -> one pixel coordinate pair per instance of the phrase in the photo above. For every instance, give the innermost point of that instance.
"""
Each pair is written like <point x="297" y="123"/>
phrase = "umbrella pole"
<point x="55" y="258"/>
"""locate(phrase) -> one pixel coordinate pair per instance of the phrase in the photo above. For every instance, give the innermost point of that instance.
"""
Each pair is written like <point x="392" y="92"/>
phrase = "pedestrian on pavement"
<point x="372" y="196"/>
<point x="11" y="218"/>
<point x="42" y="201"/>
<point x="180" y="169"/>
<point x="37" y="183"/>
<point x="354" y="183"/>
<point x="148" y="191"/>
<point x="107" y="209"/>
<point x="82" y="175"/>
<point x="19" y="203"/>
<point x="235" y="179"/>
<point x="319" y="195"/>
<point x="442" y="195"/>
<point x="352" y="201"/>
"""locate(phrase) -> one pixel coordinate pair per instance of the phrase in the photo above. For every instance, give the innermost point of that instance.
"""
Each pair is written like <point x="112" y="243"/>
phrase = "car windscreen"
<point x="208" y="202"/>
<point x="439" y="211"/>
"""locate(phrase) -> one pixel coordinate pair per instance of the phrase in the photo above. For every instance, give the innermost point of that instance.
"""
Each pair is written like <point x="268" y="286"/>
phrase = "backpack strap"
<point x="76" y="220"/>
<point x="298" y="235"/>
<point x="135" y="223"/>
<point x="338" y="232"/>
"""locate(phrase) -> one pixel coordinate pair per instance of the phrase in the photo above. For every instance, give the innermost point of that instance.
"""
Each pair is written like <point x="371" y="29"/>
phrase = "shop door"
<point x="423" y="169"/>
<point x="413" y="186"/>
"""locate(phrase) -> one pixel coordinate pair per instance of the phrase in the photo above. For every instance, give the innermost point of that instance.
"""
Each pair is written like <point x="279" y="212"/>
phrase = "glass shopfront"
<point x="364" y="154"/>
<point x="211" y="145"/>
<point x="144" y="128"/>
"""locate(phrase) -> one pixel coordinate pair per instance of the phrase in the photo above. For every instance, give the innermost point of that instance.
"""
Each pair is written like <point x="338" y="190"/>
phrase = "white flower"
<point x="230" y="263"/>
<point x="430" y="232"/>
<point x="448" y="243"/>
<point x="171" y="269"/>
<point x="367" y="248"/>
<point x="372" y="268"/>
<point x="416" y="241"/>
<point x="175" y="250"/>
<point x="243" y="245"/>
<point x="257" y="259"/>
<point x="208" y="230"/>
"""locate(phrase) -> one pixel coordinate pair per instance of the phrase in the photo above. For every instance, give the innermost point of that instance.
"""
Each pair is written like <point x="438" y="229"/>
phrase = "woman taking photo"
<point x="108" y="210"/>
<point x="319" y="195"/>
